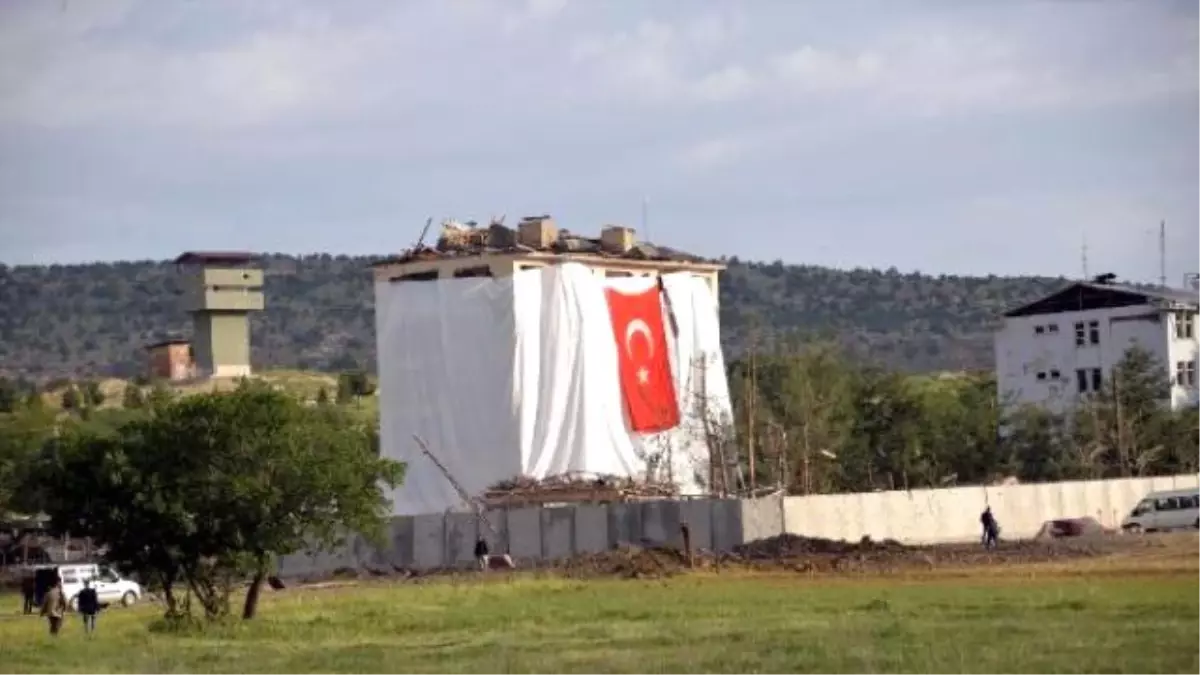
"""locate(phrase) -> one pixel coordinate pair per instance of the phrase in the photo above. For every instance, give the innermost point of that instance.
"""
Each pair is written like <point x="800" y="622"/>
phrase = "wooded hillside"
<point x="77" y="320"/>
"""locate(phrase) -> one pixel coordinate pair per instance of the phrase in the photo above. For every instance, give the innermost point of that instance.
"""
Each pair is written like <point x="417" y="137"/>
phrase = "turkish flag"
<point x="644" y="364"/>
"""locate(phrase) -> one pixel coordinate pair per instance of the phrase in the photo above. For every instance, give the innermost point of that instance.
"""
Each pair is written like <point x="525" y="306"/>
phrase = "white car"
<point x="110" y="586"/>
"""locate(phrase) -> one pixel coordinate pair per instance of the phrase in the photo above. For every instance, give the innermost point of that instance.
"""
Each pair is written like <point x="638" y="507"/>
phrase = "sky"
<point x="944" y="136"/>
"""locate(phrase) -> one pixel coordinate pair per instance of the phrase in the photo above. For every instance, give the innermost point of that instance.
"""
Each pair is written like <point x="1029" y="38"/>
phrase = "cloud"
<point x="877" y="129"/>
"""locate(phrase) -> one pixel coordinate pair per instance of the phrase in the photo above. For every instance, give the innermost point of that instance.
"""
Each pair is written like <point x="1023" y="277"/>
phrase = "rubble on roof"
<point x="574" y="487"/>
<point x="537" y="233"/>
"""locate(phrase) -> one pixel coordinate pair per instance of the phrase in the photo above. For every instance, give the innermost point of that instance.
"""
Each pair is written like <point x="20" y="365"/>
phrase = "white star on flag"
<point x="643" y="376"/>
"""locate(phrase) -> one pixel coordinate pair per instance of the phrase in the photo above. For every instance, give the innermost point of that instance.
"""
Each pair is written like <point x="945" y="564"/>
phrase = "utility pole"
<point x="1162" y="253"/>
<point x="1083" y="258"/>
<point x="646" y="219"/>
<point x="751" y="427"/>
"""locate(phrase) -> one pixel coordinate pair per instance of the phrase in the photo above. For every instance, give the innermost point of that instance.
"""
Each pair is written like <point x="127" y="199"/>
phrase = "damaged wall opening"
<point x="431" y="275"/>
<point x="472" y="272"/>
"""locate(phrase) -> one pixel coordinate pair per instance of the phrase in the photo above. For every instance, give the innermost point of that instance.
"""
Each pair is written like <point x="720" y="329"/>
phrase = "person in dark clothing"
<point x="481" y="553"/>
<point x="991" y="530"/>
<point x="89" y="606"/>
<point x="28" y="591"/>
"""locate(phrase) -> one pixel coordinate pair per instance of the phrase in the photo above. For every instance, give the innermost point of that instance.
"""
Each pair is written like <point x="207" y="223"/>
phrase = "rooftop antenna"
<point x="646" y="219"/>
<point x="1162" y="253"/>
<point x="424" y="231"/>
<point x="1083" y="256"/>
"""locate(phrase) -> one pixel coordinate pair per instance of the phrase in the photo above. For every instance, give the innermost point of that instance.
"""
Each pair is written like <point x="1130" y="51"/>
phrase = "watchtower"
<point x="220" y="291"/>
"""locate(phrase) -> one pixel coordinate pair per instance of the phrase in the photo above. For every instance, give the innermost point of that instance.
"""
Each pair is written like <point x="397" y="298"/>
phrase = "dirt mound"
<point x="785" y="545"/>
<point x="813" y="554"/>
<point x="630" y="562"/>
<point x="1071" y="527"/>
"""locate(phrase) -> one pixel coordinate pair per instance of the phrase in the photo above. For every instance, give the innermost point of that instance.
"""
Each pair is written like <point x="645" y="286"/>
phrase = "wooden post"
<point x="750" y="426"/>
<point x="687" y="543"/>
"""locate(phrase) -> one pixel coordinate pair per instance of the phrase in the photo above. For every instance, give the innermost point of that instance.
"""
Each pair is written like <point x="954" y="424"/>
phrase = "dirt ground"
<point x="814" y="555"/>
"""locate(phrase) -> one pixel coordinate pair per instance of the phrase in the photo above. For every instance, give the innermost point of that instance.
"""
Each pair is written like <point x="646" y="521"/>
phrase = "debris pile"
<point x="535" y="233"/>
<point x="628" y="562"/>
<point x="788" y="545"/>
<point x="1071" y="527"/>
<point x="574" y="488"/>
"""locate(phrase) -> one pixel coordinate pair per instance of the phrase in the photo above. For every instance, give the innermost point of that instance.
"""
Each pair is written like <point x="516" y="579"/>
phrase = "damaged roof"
<point x="470" y="239"/>
<point x="1097" y="294"/>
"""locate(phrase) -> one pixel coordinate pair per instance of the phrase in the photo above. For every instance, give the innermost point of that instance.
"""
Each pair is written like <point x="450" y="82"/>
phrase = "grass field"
<point x="1105" y="616"/>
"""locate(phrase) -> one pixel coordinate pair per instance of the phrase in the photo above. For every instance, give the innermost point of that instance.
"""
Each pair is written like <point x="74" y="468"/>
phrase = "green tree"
<point x="1038" y="446"/>
<point x="160" y="395"/>
<point x="23" y="433"/>
<point x="34" y="398"/>
<point x="211" y="488"/>
<point x="345" y="389"/>
<point x="93" y="395"/>
<point x="354" y="384"/>
<point x="133" y="398"/>
<point x="71" y="400"/>
<point x="10" y="395"/>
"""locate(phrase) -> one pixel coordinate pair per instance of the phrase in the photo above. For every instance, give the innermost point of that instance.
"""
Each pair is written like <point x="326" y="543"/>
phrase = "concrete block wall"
<point x="531" y="535"/>
<point x="952" y="514"/>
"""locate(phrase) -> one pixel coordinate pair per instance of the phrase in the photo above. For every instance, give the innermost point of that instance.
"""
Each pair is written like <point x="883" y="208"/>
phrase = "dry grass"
<point x="1119" y="614"/>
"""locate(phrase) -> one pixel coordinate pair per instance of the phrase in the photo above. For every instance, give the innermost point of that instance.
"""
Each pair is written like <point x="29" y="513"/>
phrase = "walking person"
<point x="28" y="591"/>
<point x="481" y="553"/>
<point x="54" y="606"/>
<point x="991" y="529"/>
<point x="89" y="606"/>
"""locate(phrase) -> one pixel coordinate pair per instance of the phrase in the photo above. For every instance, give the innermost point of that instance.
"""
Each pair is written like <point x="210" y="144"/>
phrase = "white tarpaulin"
<point x="519" y="376"/>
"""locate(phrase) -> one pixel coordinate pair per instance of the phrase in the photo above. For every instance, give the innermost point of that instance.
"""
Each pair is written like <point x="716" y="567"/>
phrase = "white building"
<point x="1053" y="351"/>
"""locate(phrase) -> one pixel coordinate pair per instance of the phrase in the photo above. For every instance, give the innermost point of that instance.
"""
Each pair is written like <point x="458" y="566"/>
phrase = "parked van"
<point x="110" y="586"/>
<point x="1160" y="511"/>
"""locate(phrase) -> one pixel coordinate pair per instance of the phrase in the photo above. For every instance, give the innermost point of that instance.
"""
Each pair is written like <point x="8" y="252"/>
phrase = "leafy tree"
<point x="160" y="395"/>
<point x="71" y="400"/>
<point x="1039" y="447"/>
<point x="93" y="396"/>
<point x="9" y="395"/>
<point x="23" y="433"/>
<point x="211" y="488"/>
<point x="345" y="389"/>
<point x="34" y="398"/>
<point x="354" y="384"/>
<point x="133" y="397"/>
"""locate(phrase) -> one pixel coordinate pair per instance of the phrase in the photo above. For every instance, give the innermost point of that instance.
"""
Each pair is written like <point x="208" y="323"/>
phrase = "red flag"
<point x="642" y="359"/>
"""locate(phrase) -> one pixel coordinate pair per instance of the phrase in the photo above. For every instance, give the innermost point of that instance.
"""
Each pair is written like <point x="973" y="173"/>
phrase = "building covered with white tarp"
<point x="524" y="375"/>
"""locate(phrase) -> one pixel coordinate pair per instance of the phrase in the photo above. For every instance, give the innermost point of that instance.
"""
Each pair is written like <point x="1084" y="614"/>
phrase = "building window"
<point x="1052" y="328"/>
<point x="1055" y="375"/>
<point x="1094" y="332"/>
<point x="1041" y="376"/>
<point x="1185" y="373"/>
<point x="1185" y="325"/>
<point x="1081" y="380"/>
<point x="1097" y="381"/>
<point x="1080" y="334"/>
<point x="1038" y="330"/>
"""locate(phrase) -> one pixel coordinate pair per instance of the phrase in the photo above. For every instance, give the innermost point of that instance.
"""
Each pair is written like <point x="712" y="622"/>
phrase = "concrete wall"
<point x="950" y="515"/>
<point x="531" y="535"/>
